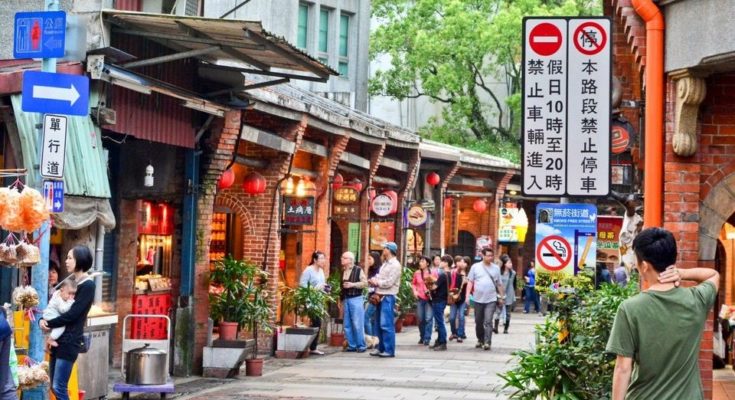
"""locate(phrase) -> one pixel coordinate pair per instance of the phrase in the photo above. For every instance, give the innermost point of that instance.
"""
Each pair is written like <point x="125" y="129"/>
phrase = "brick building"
<point x="698" y="128"/>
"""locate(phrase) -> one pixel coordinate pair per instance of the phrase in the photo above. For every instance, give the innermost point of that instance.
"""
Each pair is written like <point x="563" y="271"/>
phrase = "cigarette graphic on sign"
<point x="588" y="238"/>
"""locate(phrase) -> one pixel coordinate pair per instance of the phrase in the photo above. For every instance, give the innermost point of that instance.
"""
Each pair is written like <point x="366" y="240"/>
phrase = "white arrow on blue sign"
<point x="53" y="193"/>
<point x="55" y="93"/>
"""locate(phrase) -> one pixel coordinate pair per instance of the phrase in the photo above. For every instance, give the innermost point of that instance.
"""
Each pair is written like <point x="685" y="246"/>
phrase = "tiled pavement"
<point x="461" y="372"/>
<point x="724" y="384"/>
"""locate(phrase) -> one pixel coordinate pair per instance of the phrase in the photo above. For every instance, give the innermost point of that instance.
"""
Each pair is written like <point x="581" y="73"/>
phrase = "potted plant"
<point x="336" y="335"/>
<point x="226" y="294"/>
<point x="258" y="313"/>
<point x="303" y="302"/>
<point x="405" y="301"/>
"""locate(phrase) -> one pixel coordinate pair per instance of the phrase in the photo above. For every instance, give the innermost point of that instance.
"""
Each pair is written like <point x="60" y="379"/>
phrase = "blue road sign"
<point x="39" y="34"/>
<point x="52" y="93"/>
<point x="53" y="192"/>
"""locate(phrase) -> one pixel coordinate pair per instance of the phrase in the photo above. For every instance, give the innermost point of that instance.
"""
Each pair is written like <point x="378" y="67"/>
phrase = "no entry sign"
<point x="567" y="74"/>
<point x="545" y="39"/>
<point x="554" y="253"/>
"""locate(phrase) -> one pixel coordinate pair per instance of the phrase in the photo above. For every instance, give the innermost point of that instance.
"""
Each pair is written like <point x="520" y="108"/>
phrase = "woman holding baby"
<point x="71" y="341"/>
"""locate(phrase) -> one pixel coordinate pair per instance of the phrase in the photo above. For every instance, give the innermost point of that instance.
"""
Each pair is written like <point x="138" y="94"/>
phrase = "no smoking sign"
<point x="554" y="253"/>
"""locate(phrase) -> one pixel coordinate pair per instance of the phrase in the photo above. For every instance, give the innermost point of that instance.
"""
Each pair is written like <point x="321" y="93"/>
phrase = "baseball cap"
<point x="392" y="246"/>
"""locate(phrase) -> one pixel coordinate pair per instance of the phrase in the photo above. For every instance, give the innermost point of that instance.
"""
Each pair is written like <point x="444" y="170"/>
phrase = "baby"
<point x="60" y="303"/>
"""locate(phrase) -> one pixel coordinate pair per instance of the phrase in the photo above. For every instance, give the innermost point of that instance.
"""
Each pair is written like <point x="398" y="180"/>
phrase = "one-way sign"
<point x="55" y="93"/>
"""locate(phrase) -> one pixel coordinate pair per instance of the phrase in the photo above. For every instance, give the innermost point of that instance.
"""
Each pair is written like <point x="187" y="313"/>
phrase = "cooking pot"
<point x="146" y="366"/>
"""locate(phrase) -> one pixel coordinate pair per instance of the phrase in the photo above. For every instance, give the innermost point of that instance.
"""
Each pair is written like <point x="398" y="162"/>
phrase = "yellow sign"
<point x="513" y="225"/>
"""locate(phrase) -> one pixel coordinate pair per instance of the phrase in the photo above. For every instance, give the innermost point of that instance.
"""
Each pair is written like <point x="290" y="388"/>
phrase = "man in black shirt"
<point x="439" y="292"/>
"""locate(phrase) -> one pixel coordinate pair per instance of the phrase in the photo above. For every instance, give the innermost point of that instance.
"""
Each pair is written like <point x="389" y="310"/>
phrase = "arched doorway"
<point x="465" y="245"/>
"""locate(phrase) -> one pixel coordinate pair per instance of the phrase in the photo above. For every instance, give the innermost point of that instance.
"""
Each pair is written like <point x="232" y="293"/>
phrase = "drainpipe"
<point x="653" y="185"/>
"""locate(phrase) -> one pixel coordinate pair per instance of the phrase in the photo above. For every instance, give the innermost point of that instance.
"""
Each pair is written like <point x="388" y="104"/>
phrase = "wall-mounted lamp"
<point x="148" y="180"/>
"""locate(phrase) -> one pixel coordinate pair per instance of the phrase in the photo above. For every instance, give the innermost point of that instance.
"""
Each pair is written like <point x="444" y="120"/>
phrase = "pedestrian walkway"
<point x="723" y="384"/>
<point x="461" y="372"/>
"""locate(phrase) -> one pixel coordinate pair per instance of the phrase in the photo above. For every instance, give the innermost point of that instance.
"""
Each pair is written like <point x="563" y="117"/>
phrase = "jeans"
<point x="7" y="386"/>
<point x="60" y="374"/>
<point x="316" y="323"/>
<point x="354" y="323"/>
<point x="531" y="296"/>
<point x="456" y="318"/>
<point x="370" y="319"/>
<point x="425" y="316"/>
<point x="438" y="307"/>
<point x="484" y="321"/>
<point x="385" y="325"/>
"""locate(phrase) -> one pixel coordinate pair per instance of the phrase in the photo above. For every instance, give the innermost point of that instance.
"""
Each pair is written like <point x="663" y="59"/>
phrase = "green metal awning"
<point x="85" y="170"/>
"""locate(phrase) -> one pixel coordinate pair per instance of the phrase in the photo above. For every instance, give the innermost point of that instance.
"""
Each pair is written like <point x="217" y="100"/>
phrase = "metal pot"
<point x="146" y="366"/>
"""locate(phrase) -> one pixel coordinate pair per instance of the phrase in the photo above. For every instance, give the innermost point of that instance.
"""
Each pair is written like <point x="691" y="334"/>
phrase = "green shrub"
<point x="569" y="360"/>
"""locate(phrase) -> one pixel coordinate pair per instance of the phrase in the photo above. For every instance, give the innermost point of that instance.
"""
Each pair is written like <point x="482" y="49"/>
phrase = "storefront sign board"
<point x="383" y="205"/>
<point x="417" y="216"/>
<point x="513" y="225"/>
<point x="608" y="239"/>
<point x="381" y="233"/>
<point x="353" y="238"/>
<point x="298" y="210"/>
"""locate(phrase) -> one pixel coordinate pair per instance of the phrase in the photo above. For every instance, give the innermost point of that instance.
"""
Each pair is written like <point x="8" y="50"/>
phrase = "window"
<point x="303" y="26"/>
<point x="344" y="40"/>
<point x="323" y="30"/>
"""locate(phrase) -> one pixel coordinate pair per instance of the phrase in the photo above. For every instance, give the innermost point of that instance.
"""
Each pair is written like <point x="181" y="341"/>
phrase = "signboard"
<point x="39" y="34"/>
<point x="383" y="205"/>
<point x="353" y="238"/>
<point x="414" y="242"/>
<point x="513" y="225"/>
<point x="346" y="195"/>
<point x="417" y="216"/>
<point x="298" y="210"/>
<point x="567" y="73"/>
<point x="565" y="237"/>
<point x="381" y="233"/>
<point x="53" y="93"/>
<point x="608" y="240"/>
<point x="53" y="193"/>
<point x="53" y="151"/>
<point x="481" y="242"/>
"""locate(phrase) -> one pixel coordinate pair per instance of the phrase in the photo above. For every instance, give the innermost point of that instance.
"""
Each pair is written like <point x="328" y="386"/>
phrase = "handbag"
<point x="86" y="343"/>
<point x="454" y="293"/>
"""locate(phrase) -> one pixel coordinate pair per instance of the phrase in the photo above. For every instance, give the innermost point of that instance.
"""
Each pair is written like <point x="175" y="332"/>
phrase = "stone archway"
<point x="714" y="211"/>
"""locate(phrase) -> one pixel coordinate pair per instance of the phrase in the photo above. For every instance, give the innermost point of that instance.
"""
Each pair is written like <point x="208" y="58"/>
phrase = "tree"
<point x="452" y="51"/>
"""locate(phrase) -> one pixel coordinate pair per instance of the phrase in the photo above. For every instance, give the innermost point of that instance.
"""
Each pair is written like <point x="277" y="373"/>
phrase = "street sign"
<point x="53" y="152"/>
<point x="39" y="34"/>
<point x="53" y="193"/>
<point x="589" y="108"/>
<point x="554" y="253"/>
<point x="567" y="74"/>
<point x="566" y="237"/>
<point x="53" y="93"/>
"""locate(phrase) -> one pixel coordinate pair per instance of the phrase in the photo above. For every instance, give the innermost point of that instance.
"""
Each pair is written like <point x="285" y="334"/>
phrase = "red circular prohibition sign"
<point x="599" y="43"/>
<point x="545" y="248"/>
<point x="545" y="39"/>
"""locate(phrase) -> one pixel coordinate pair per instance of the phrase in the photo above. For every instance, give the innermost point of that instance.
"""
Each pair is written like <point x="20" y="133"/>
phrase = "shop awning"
<point x="214" y="40"/>
<point x="85" y="171"/>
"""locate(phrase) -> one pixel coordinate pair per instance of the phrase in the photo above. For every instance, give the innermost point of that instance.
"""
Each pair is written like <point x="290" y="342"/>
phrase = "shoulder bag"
<point x="489" y="275"/>
<point x="454" y="292"/>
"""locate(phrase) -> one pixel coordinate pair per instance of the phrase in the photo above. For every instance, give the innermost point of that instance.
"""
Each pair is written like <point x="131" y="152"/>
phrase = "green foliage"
<point x="335" y="282"/>
<point x="464" y="54"/>
<point x="306" y="301"/>
<point x="569" y="361"/>
<point x="405" y="301"/>
<point x="239" y="295"/>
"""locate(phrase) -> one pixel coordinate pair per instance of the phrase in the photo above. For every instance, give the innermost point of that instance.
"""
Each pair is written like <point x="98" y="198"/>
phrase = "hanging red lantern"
<point x="479" y="205"/>
<point x="433" y="178"/>
<point x="357" y="184"/>
<point x="254" y="183"/>
<point x="394" y="200"/>
<point x="227" y="179"/>
<point x="337" y="181"/>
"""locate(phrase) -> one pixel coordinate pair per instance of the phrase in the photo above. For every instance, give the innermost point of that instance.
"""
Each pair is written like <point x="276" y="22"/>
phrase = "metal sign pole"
<point x="39" y="272"/>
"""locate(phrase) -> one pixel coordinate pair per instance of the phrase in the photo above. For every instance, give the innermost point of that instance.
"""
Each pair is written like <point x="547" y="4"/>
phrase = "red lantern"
<point x="254" y="183"/>
<point x="394" y="197"/>
<point x="337" y="181"/>
<point x="479" y="205"/>
<point x="433" y="178"/>
<point x="227" y="179"/>
<point x="355" y="183"/>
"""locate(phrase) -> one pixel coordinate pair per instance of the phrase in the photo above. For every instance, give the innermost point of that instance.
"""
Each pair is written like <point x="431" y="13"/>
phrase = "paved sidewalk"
<point x="461" y="372"/>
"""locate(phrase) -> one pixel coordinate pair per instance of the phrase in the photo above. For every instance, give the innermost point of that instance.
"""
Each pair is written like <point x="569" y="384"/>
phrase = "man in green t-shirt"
<point x="656" y="333"/>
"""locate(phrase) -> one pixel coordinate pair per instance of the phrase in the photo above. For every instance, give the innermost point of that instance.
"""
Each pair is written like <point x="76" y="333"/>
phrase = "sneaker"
<point x="386" y="355"/>
<point x="452" y="337"/>
<point x="421" y="341"/>
<point x="441" y="347"/>
<point x="317" y="352"/>
<point x="375" y="353"/>
<point x="459" y="340"/>
<point x="426" y="343"/>
<point x="486" y="346"/>
<point x="350" y="350"/>
<point x="463" y="337"/>
<point x="361" y="350"/>
<point x="479" y="345"/>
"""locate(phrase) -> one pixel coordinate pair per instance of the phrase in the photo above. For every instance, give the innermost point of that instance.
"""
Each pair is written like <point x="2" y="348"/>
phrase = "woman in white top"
<point x="313" y="276"/>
